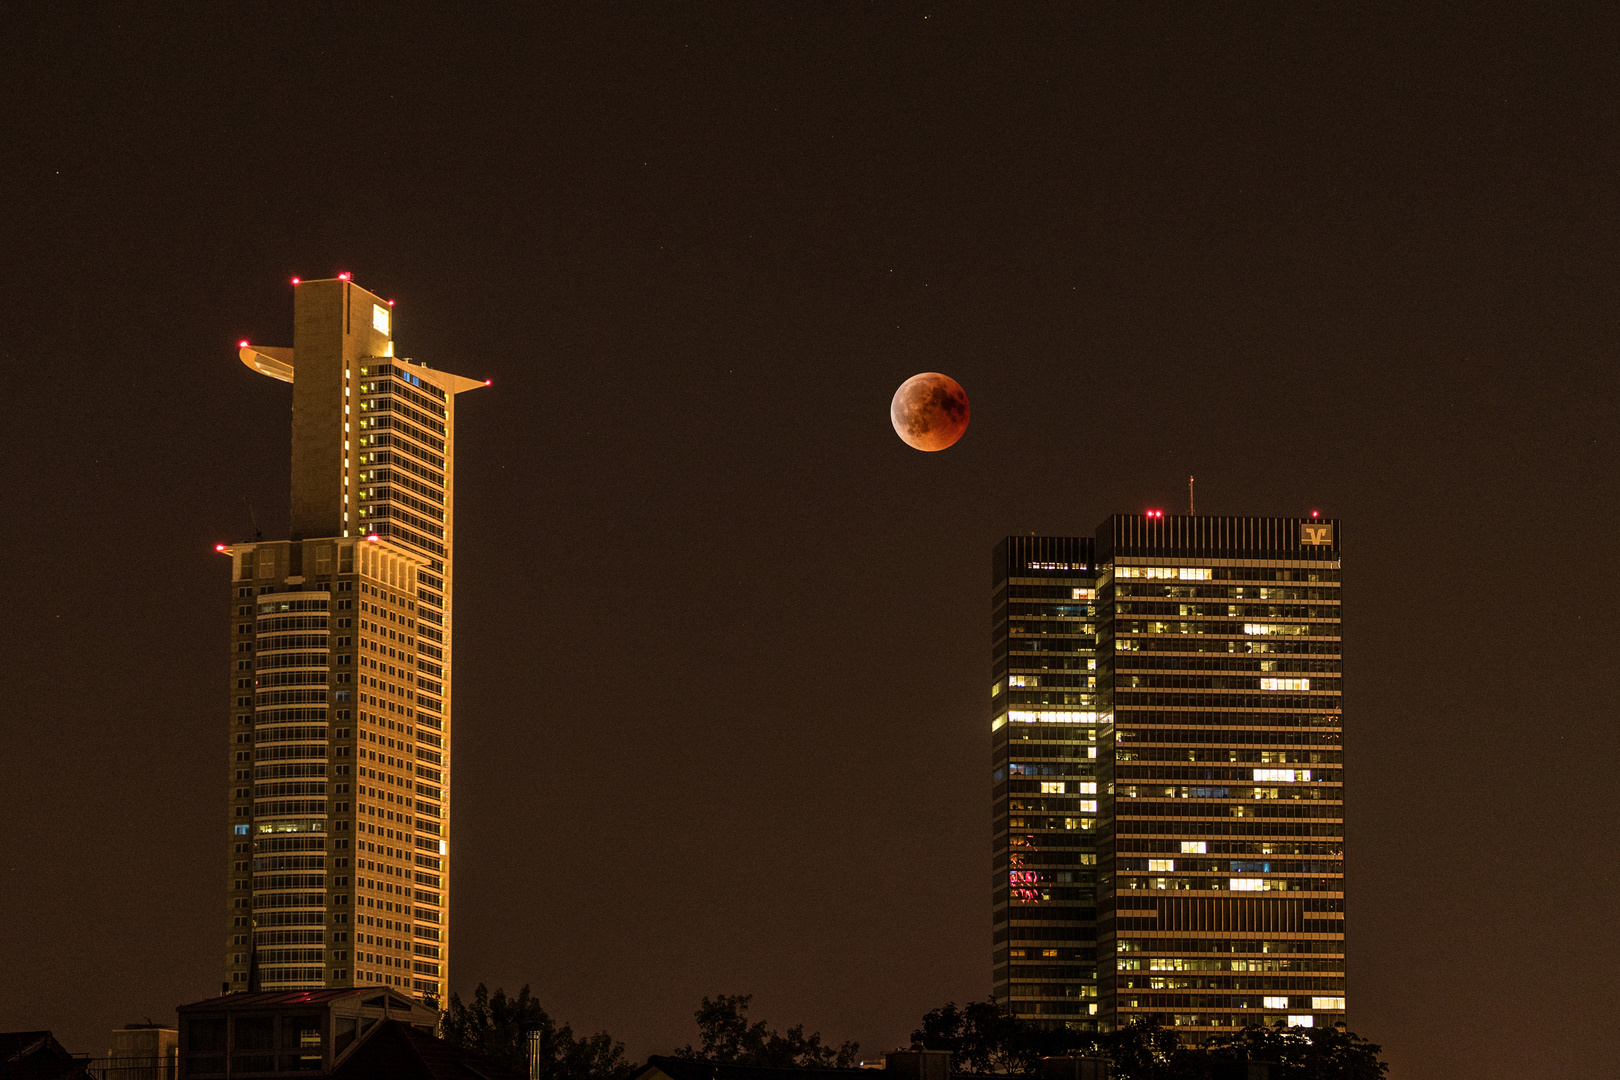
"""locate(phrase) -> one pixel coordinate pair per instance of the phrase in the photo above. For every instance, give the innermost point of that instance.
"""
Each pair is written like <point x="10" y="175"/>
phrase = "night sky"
<point x="722" y="640"/>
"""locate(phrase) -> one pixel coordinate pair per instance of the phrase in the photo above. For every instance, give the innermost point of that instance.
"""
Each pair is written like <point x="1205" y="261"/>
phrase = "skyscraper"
<point x="1045" y="769"/>
<point x="1219" y="836"/>
<point x="340" y="717"/>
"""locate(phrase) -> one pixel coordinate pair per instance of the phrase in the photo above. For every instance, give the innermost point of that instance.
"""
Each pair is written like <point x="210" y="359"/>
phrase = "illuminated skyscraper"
<point x="1044" y="763"/>
<point x="1219" y="832"/>
<point x="340" y="718"/>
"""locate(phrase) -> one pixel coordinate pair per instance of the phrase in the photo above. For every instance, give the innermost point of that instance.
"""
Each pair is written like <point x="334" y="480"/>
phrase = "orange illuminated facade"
<point x="340" y="723"/>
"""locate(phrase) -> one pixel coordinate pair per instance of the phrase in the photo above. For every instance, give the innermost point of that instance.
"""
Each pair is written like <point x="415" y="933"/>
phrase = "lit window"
<point x="1285" y="684"/>
<point x="1302" y="1021"/>
<point x="1051" y="787"/>
<point x="1275" y="1002"/>
<point x="1327" y="1003"/>
<point x="1160" y="866"/>
<point x="1088" y="787"/>
<point x="1088" y="806"/>
<point x="1021" y="680"/>
<point x="1246" y="884"/>
<point x="1051" y="716"/>
<point x="1190" y="574"/>
<point x="1194" y="847"/>
<point x="1274" y="775"/>
<point x="379" y="318"/>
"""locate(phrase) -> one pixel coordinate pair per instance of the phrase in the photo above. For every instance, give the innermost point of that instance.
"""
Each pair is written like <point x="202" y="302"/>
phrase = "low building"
<point x="142" y="1052"/>
<point x="356" y="1033"/>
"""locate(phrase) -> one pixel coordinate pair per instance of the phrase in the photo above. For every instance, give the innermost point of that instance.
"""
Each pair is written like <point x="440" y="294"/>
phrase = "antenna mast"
<point x="1192" y="504"/>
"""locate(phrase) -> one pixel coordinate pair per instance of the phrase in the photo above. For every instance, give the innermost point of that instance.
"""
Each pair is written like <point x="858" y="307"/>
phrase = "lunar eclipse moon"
<point x="929" y="411"/>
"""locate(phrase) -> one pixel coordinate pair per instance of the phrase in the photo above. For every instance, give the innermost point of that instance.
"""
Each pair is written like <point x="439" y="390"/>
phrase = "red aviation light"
<point x="1155" y="515"/>
<point x="390" y="303"/>
<point x="344" y="276"/>
<point x="242" y="344"/>
<point x="373" y="538"/>
<point x="298" y="281"/>
<point x="219" y="547"/>
<point x="1316" y="513"/>
<point x="489" y="382"/>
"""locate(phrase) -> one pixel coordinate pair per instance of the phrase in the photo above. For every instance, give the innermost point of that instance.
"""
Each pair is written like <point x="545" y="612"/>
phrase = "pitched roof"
<point x="677" y="1068"/>
<point x="394" y="1050"/>
<point x="284" y="997"/>
<point x="36" y="1055"/>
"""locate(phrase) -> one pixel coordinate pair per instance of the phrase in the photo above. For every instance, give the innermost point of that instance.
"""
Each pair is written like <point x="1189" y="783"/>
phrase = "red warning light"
<point x="297" y="280"/>
<point x="1315" y="513"/>
<point x="219" y="547"/>
<point x="345" y="276"/>
<point x="373" y="538"/>
<point x="489" y="382"/>
<point x="1155" y="514"/>
<point x="242" y="344"/>
<point x="390" y="303"/>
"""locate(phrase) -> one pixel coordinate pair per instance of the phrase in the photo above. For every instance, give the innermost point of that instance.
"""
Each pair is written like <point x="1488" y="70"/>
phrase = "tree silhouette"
<point x="985" y="1038"/>
<point x="498" y="1027"/>
<point x="726" y="1036"/>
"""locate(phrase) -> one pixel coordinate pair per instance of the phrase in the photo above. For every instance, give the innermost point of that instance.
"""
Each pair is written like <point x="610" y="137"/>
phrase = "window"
<point x="1239" y="884"/>
<point x="1327" y="1003"/>
<point x="1051" y="787"/>
<point x="1160" y="866"/>
<point x="1275" y="1002"/>
<point x="1275" y="775"/>
<point x="379" y="318"/>
<point x="1302" y="1021"/>
<point x="1194" y="847"/>
<point x="1285" y="684"/>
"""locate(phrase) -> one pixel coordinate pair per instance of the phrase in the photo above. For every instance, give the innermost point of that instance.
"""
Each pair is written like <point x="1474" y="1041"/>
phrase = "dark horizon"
<point x="722" y="673"/>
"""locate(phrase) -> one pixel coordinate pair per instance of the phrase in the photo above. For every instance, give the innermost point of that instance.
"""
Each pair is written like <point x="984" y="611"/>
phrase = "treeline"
<point x="982" y="1039"/>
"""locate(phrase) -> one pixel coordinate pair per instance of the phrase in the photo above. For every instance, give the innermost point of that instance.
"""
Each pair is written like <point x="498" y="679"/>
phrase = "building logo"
<point x="1316" y="534"/>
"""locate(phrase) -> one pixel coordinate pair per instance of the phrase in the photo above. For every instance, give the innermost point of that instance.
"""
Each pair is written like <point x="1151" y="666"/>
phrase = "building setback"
<point x="339" y="748"/>
<point x="1217" y="833"/>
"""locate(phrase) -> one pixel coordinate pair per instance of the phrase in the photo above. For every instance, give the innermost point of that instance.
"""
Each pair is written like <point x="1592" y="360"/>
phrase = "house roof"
<point x="36" y="1055"/>
<point x="698" y="1069"/>
<point x="265" y="998"/>
<point x="394" y="1050"/>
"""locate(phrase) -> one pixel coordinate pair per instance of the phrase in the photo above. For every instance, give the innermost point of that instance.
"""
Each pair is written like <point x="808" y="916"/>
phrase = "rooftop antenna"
<point x="1192" y="504"/>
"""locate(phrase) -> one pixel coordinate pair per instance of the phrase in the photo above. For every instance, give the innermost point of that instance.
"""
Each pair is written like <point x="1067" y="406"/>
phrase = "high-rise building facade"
<point x="1045" y="777"/>
<point x="1219" y="837"/>
<point x="340" y="718"/>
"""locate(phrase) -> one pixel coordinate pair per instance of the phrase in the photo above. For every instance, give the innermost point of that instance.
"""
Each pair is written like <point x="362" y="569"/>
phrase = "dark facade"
<point x="1218" y="841"/>
<point x="356" y="1033"/>
<point x="1045" y="724"/>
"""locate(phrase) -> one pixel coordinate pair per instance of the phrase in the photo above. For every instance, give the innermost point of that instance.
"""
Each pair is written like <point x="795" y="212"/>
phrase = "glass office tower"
<point x="1044" y="775"/>
<point x="340" y="720"/>
<point x="1220" y="833"/>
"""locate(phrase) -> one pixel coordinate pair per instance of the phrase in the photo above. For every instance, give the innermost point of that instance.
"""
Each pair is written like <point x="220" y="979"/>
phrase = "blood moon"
<point x="929" y="411"/>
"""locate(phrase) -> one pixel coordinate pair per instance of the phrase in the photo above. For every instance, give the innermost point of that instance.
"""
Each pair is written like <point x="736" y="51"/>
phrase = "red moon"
<point x="929" y="411"/>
